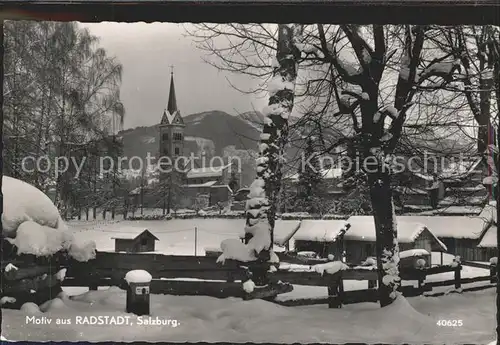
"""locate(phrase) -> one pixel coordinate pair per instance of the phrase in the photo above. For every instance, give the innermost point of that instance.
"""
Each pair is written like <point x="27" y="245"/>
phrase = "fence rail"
<point x="191" y="275"/>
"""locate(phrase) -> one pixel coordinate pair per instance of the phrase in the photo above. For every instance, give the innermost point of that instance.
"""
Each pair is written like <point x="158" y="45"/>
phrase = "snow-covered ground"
<point x="176" y="236"/>
<point x="412" y="320"/>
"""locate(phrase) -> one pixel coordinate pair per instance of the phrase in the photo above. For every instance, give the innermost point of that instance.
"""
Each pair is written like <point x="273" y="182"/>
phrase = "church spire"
<point x="172" y="101"/>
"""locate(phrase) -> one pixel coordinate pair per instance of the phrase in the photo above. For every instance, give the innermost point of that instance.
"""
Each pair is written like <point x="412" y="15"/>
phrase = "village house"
<point x="359" y="239"/>
<point x="488" y="243"/>
<point x="462" y="235"/>
<point x="134" y="240"/>
<point x="453" y="189"/>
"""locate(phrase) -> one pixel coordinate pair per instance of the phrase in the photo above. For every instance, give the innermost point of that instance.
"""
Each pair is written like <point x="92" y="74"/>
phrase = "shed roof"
<point x="320" y="230"/>
<point x="452" y="226"/>
<point x="409" y="229"/>
<point x="132" y="234"/>
<point x="198" y="185"/>
<point x="489" y="239"/>
<point x="363" y="229"/>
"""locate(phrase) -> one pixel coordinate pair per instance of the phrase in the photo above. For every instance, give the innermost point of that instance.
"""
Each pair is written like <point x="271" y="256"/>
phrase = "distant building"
<point x="455" y="189"/>
<point x="196" y="182"/>
<point x="135" y="241"/>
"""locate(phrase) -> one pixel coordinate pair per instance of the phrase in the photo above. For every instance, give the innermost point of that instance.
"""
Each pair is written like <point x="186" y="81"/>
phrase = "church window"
<point x="165" y="136"/>
<point x="177" y="151"/>
<point x="178" y="136"/>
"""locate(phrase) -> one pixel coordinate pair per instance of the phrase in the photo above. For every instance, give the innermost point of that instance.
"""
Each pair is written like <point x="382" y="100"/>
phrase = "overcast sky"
<point x="146" y="52"/>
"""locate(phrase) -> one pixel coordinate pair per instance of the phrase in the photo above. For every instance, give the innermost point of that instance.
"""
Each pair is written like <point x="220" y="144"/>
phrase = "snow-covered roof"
<point x="320" y="230"/>
<point x="454" y="211"/>
<point x="413" y="252"/>
<point x="460" y="169"/>
<point x="206" y="184"/>
<point x="489" y="239"/>
<point x="363" y="229"/>
<point x="457" y="200"/>
<point x="207" y="171"/>
<point x="131" y="233"/>
<point x="284" y="230"/>
<point x="489" y="212"/>
<point x="450" y="226"/>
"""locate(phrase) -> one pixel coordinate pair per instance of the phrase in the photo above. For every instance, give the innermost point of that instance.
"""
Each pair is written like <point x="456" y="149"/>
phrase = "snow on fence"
<point x="232" y="215"/>
<point x="189" y="275"/>
<point x="27" y="278"/>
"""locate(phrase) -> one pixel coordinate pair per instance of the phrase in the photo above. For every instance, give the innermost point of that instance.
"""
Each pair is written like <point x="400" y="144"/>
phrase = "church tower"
<point x="171" y="127"/>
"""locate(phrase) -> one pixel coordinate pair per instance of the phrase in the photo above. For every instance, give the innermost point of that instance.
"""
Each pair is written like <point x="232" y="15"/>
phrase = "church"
<point x="198" y="186"/>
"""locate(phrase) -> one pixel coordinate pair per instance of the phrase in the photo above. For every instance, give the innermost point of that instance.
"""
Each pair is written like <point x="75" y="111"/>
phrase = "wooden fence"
<point x="190" y="275"/>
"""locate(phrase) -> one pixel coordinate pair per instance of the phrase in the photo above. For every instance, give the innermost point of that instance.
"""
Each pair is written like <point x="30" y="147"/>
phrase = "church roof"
<point x="172" y="101"/>
<point x="171" y="114"/>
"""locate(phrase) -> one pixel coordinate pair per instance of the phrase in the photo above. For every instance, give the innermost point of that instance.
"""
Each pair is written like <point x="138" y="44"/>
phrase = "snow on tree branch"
<point x="261" y="206"/>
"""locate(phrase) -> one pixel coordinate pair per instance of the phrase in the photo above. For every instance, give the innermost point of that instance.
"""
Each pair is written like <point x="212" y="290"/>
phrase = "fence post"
<point x="457" y="276"/>
<point x="493" y="273"/>
<point x="230" y="277"/>
<point x="372" y="284"/>
<point x="333" y="292"/>
<point x="341" y="290"/>
<point x="420" y="285"/>
<point x="93" y="280"/>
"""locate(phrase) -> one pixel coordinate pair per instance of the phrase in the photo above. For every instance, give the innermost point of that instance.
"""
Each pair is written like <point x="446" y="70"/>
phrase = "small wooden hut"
<point x="133" y="240"/>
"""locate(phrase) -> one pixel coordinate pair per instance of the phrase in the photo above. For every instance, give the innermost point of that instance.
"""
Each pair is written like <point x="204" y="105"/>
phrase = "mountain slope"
<point x="212" y="129"/>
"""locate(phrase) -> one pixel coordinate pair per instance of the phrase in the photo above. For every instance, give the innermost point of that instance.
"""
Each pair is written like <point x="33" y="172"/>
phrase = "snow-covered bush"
<point x="494" y="260"/>
<point x="331" y="257"/>
<point x="420" y="263"/>
<point x="233" y="249"/>
<point x="24" y="202"/>
<point x="32" y="223"/>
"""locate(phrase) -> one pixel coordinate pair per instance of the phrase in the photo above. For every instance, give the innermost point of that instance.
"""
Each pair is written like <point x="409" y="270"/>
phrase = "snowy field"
<point x="176" y="236"/>
<point x="413" y="320"/>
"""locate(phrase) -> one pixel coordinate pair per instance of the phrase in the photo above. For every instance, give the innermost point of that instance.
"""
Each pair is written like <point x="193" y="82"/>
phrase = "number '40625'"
<point x="450" y="323"/>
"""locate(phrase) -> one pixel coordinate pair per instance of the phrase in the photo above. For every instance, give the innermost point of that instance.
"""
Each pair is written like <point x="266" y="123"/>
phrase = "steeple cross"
<point x="171" y="69"/>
